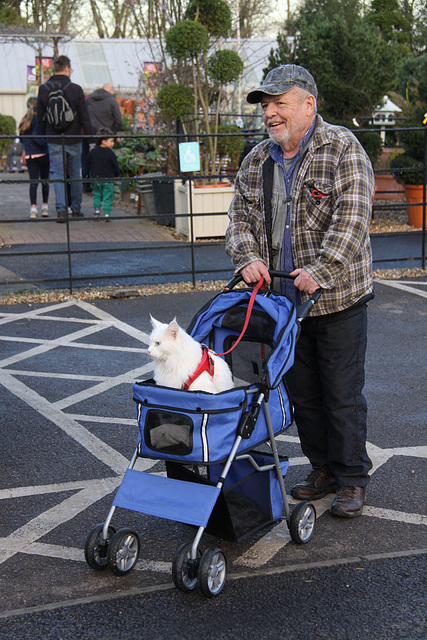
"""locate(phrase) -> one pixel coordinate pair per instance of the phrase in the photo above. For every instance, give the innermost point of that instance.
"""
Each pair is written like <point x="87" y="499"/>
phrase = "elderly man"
<point x="302" y="204"/>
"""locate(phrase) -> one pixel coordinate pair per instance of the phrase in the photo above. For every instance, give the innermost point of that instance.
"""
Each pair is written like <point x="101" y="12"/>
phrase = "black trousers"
<point x="38" y="168"/>
<point x="326" y="383"/>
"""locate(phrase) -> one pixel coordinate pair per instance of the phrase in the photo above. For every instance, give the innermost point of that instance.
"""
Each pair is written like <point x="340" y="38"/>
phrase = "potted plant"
<point x="409" y="168"/>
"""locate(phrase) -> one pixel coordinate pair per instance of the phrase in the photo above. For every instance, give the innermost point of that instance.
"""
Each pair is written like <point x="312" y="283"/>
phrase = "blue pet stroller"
<point x="223" y="471"/>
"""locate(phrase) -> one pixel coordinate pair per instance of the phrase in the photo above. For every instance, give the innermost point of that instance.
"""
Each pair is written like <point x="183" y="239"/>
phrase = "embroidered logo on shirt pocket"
<point x="318" y="206"/>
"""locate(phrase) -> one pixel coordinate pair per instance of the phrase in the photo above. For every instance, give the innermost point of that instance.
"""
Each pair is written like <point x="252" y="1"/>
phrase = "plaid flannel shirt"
<point x="330" y="233"/>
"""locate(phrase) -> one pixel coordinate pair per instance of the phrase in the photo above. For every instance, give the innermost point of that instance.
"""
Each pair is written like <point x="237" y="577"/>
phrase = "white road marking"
<point x="123" y="326"/>
<point x="40" y="490"/>
<point x="77" y="555"/>
<point x="41" y="525"/>
<point x="404" y="287"/>
<point x="85" y="394"/>
<point x="129" y="422"/>
<point x="102" y="451"/>
<point x="25" y="539"/>
<point x="269" y="545"/>
<point x="396" y="516"/>
<point x="48" y="345"/>
<point x="75" y="345"/>
<point x="11" y="317"/>
<point x="57" y="376"/>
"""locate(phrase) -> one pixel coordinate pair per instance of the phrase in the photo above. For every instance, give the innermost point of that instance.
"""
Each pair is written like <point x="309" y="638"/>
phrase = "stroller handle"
<point x="302" y="310"/>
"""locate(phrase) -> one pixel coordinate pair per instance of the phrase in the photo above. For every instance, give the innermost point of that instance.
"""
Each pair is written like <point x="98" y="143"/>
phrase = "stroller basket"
<point x="250" y="500"/>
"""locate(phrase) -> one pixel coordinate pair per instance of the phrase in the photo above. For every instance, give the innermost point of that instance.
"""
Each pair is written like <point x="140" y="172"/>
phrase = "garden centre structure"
<point x="119" y="61"/>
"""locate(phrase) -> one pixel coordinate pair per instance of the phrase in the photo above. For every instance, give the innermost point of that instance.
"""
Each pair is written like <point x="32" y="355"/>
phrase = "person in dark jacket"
<point x="104" y="112"/>
<point x="103" y="164"/>
<point x="36" y="157"/>
<point x="81" y="122"/>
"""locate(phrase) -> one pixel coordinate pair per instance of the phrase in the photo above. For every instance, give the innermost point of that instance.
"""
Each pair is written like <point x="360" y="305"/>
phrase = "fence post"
<point x="193" y="272"/>
<point x="67" y="220"/>
<point x="423" y="235"/>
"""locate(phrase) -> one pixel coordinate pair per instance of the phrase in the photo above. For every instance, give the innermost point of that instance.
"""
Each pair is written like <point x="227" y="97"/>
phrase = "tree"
<point x="391" y="23"/>
<point x="199" y="62"/>
<point x="353" y="68"/>
<point x="10" y="13"/>
<point x="415" y="13"/>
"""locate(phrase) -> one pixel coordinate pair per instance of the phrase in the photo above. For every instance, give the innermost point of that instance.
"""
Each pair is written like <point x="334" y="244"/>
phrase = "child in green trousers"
<point x="103" y="164"/>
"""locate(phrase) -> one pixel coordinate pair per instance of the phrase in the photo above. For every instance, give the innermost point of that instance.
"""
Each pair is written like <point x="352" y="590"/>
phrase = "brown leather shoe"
<point x="317" y="484"/>
<point x="349" y="501"/>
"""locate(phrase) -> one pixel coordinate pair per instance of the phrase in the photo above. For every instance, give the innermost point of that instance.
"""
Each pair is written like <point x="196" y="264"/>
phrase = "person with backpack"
<point x="36" y="157"/>
<point x="62" y="116"/>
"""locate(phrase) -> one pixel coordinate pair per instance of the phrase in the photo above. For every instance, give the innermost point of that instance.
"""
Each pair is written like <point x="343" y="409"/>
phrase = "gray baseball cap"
<point x="281" y="80"/>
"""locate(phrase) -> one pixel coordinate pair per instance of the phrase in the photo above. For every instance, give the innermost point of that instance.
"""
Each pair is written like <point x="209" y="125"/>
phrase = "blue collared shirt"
<point x="286" y="259"/>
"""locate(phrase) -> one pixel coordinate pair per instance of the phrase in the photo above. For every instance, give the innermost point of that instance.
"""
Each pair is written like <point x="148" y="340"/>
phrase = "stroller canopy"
<point x="272" y="322"/>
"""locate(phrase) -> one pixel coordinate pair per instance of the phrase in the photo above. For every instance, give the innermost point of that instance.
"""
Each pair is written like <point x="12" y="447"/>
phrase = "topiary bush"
<point x="187" y="40"/>
<point x="7" y="128"/>
<point x="215" y="15"/>
<point x="175" y="101"/>
<point x="406" y="161"/>
<point x="231" y="146"/>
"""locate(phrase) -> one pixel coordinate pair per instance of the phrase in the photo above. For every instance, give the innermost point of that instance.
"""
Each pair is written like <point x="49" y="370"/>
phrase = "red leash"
<point x="206" y="363"/>
<point x="248" y="315"/>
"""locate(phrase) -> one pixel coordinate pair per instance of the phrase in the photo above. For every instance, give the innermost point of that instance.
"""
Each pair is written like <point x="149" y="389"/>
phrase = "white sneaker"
<point x="33" y="213"/>
<point x="45" y="212"/>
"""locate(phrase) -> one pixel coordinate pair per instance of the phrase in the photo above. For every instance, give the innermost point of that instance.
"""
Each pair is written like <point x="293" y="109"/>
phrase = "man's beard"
<point x="283" y="138"/>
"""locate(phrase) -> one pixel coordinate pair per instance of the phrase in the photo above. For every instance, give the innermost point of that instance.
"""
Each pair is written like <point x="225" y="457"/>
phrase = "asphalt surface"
<point x="69" y="428"/>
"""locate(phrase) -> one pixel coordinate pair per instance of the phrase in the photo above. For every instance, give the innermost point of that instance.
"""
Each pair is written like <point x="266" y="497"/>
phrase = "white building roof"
<point x="118" y="61"/>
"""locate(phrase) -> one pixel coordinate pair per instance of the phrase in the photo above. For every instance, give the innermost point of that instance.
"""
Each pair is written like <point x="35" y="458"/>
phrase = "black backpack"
<point x="59" y="113"/>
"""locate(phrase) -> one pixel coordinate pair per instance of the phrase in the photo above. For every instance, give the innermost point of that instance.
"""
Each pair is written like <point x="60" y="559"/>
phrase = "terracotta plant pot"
<point x="414" y="194"/>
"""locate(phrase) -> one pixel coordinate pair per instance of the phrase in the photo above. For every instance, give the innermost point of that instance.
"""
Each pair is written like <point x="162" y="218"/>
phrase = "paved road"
<point x="68" y="430"/>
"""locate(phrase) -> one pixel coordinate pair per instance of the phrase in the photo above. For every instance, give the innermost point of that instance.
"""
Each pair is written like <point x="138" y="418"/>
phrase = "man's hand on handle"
<point x="304" y="282"/>
<point x="254" y="271"/>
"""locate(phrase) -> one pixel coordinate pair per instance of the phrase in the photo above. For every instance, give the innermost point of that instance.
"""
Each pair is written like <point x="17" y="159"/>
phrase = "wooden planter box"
<point x="207" y="199"/>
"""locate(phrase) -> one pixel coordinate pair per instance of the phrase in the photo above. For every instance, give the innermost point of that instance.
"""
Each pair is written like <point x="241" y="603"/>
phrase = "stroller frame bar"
<point x="277" y="461"/>
<point x="113" y="508"/>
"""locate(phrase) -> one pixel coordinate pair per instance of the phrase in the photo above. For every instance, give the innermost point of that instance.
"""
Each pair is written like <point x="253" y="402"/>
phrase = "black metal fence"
<point x="146" y="185"/>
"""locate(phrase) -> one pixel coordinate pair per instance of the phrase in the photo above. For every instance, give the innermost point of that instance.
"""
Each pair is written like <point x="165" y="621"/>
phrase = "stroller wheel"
<point x="184" y="573"/>
<point x="123" y="551"/>
<point x="212" y="572"/>
<point x="96" y="548"/>
<point x="302" y="522"/>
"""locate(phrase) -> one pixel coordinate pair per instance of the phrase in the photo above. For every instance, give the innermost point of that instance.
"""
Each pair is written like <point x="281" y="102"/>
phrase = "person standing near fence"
<point x="36" y="157"/>
<point x="103" y="164"/>
<point x="62" y="111"/>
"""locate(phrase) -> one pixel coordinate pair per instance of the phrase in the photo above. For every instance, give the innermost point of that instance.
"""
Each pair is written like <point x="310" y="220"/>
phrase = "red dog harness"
<point x="205" y="364"/>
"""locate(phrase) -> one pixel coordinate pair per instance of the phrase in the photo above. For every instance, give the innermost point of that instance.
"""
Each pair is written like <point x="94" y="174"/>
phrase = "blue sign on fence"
<point x="189" y="156"/>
